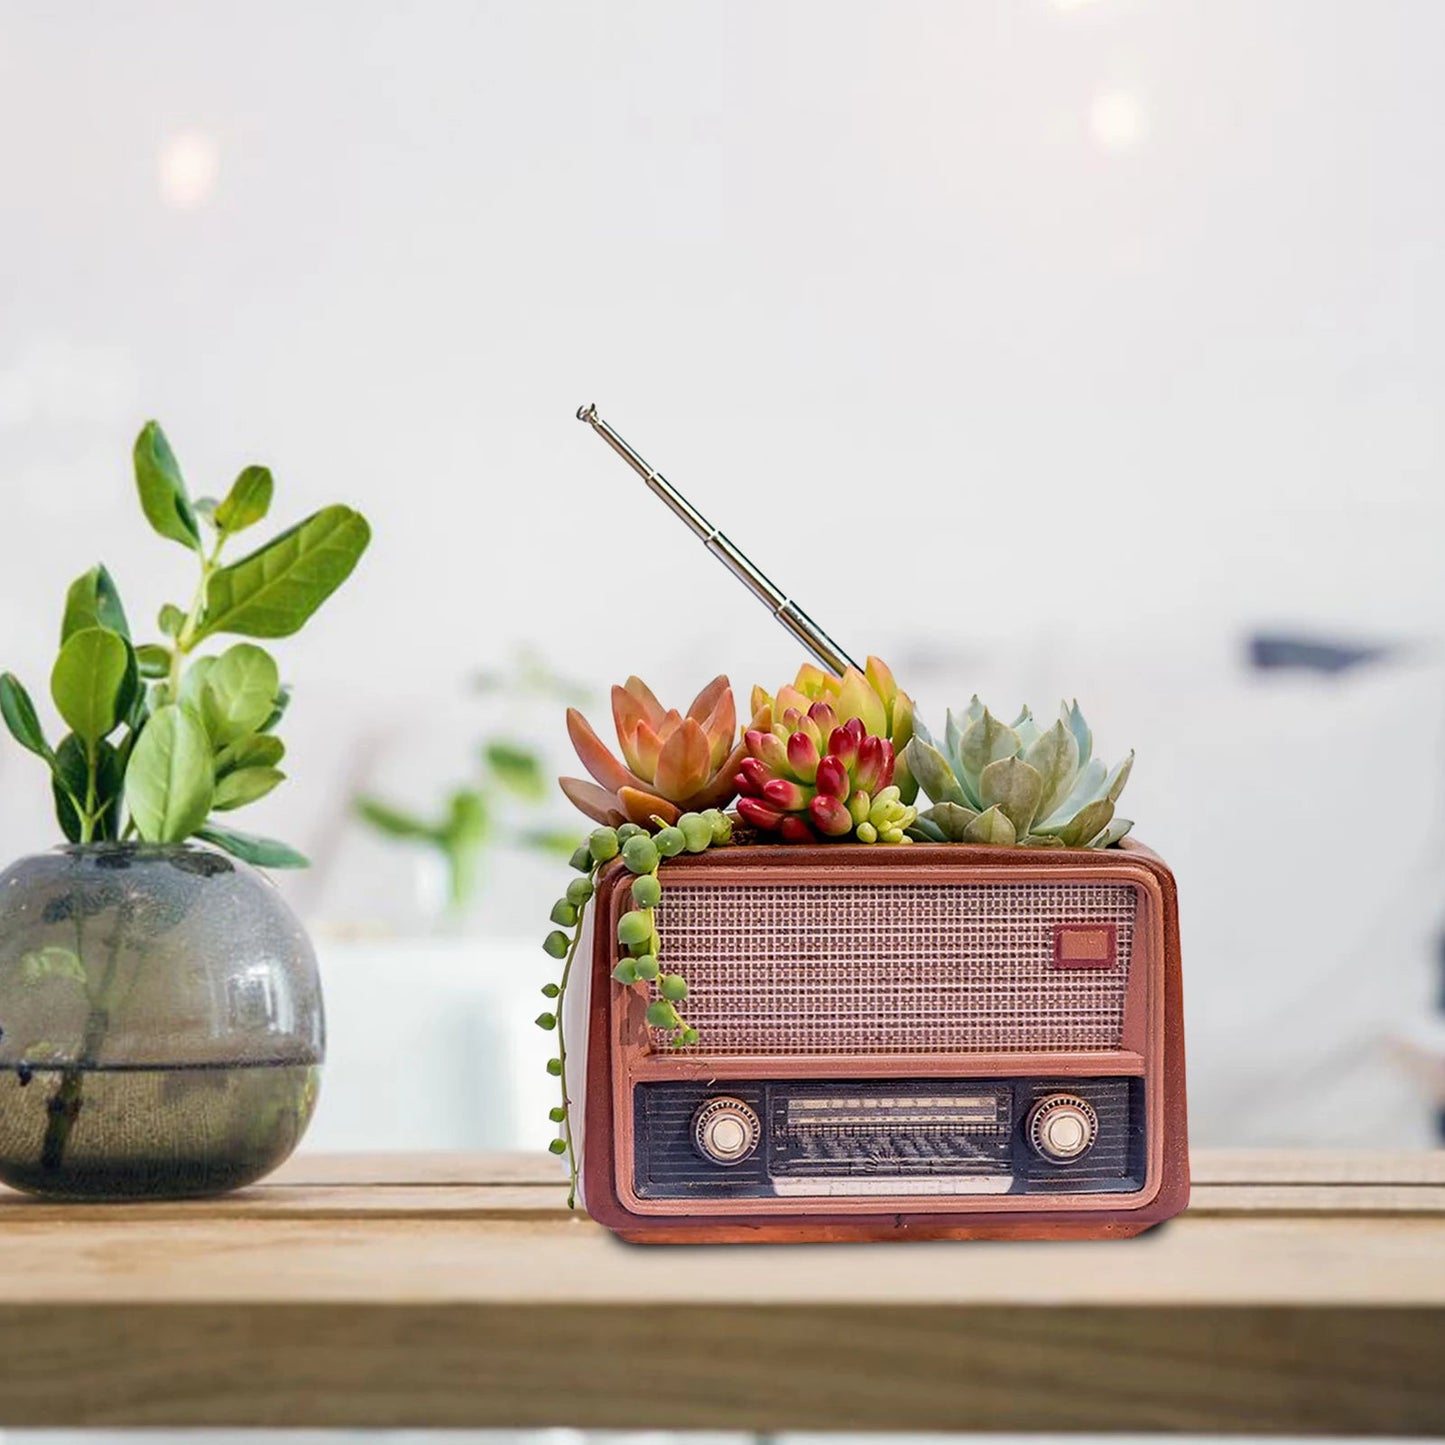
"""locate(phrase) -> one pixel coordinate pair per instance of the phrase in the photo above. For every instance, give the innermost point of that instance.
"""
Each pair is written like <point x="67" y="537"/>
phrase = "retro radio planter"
<point x="978" y="1042"/>
<point x="977" y="1035"/>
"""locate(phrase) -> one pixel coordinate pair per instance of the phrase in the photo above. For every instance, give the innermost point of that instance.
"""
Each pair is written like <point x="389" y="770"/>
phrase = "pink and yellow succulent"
<point x="872" y="696"/>
<point x="812" y="777"/>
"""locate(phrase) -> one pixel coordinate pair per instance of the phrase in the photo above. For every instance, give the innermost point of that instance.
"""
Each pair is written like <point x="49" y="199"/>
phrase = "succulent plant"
<point x="872" y="696"/>
<point x="675" y="763"/>
<point x="812" y="776"/>
<point x="992" y="782"/>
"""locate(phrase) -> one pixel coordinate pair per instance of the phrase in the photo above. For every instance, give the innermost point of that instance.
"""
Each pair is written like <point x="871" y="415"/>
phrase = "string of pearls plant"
<point x="643" y="854"/>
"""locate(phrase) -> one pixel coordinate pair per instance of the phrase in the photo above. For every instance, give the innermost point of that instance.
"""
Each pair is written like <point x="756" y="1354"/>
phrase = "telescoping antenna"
<point x="768" y="593"/>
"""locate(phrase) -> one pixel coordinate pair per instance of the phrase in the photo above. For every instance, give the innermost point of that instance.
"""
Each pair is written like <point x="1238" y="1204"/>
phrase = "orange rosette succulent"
<point x="673" y="763"/>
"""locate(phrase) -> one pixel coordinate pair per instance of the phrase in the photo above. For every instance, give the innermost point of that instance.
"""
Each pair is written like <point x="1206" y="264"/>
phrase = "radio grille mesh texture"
<point x="890" y="969"/>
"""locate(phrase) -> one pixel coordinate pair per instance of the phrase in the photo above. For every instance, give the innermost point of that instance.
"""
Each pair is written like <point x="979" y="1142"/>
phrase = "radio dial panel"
<point x="841" y="1138"/>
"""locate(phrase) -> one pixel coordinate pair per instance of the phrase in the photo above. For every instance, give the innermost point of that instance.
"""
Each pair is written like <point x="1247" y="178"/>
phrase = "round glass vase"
<point x="161" y="1028"/>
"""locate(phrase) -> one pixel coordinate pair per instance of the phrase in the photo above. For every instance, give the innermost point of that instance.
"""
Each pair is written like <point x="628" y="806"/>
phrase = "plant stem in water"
<point x="65" y="1104"/>
<point x="64" y="1107"/>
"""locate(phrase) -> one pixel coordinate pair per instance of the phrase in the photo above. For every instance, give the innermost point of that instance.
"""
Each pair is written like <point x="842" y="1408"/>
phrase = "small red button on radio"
<point x="1085" y="945"/>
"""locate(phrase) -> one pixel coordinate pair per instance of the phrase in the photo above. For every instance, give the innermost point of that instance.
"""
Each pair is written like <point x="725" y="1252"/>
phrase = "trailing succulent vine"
<point x="642" y="855"/>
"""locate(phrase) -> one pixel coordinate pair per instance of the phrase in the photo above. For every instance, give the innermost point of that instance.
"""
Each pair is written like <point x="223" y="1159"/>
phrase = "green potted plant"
<point x="161" y="1027"/>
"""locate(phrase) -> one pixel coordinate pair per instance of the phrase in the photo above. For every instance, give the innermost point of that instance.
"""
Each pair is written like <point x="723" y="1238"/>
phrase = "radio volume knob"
<point x="725" y="1130"/>
<point x="1062" y="1128"/>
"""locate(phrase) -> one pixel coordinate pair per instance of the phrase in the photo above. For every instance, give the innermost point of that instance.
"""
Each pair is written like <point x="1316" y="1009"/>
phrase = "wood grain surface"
<point x="1301" y="1293"/>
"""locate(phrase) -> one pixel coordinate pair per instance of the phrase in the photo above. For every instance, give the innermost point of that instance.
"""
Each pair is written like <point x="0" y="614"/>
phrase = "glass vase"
<point x="161" y="1027"/>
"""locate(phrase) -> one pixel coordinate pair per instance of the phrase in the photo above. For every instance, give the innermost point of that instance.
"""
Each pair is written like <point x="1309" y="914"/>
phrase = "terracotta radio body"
<point x="927" y="1042"/>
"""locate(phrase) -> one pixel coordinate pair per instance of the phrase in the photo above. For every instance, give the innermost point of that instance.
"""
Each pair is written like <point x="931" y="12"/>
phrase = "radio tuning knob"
<point x="725" y="1130"/>
<point x="1062" y="1128"/>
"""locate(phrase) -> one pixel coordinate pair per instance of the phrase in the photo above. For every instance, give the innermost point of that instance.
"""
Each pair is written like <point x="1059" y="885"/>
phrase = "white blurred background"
<point x="1039" y="347"/>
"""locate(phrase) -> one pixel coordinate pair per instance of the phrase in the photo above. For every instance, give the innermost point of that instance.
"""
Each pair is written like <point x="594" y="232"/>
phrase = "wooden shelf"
<point x="1301" y="1293"/>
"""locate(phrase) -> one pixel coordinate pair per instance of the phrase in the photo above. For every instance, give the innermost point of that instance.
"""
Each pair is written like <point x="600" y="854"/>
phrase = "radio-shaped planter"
<point x="929" y="1042"/>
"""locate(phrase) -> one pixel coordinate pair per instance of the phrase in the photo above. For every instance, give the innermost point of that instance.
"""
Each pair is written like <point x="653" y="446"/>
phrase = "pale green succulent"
<point x="992" y="782"/>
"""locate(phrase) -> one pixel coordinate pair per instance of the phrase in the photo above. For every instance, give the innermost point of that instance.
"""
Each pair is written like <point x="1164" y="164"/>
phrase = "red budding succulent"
<point x="811" y="777"/>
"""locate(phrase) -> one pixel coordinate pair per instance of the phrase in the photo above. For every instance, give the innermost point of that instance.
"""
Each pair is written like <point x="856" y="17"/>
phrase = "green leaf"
<point x="153" y="660"/>
<point x="283" y="701"/>
<point x="93" y="601"/>
<point x="244" y="786"/>
<point x="466" y="817"/>
<point x="1114" y="783"/>
<point x="924" y="830"/>
<point x="950" y="820"/>
<point x="1087" y="788"/>
<point x="70" y="782"/>
<point x="272" y="592"/>
<point x="393" y="822"/>
<point x="991" y="826"/>
<point x="247" y="502"/>
<point x="52" y="962"/>
<point x="131" y="689"/>
<point x="170" y="620"/>
<point x="89" y="681"/>
<point x="256" y="751"/>
<point x="953" y="731"/>
<point x="933" y="773"/>
<point x="1055" y="754"/>
<point x="163" y="495"/>
<point x="193" y="683"/>
<point x="249" y="848"/>
<point x="168" y="782"/>
<point x="20" y="717"/>
<point x="1015" y="788"/>
<point x="1080" y="730"/>
<point x="461" y="856"/>
<point x="517" y="768"/>
<point x="1088" y="823"/>
<point x="982" y="742"/>
<point x="548" y="840"/>
<point x="138" y="713"/>
<point x="239" y="692"/>
<point x="1111" y="835"/>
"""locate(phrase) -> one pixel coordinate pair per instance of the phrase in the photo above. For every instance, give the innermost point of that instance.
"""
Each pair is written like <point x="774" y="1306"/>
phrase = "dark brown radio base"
<point x="984" y="1043"/>
<point x="820" y="1231"/>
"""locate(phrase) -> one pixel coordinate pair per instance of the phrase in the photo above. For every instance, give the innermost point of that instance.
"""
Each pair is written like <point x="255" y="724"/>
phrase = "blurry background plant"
<point x="510" y="789"/>
<point x="508" y="803"/>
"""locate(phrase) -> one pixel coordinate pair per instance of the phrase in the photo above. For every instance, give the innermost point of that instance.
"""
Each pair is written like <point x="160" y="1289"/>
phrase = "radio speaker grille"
<point x="895" y="969"/>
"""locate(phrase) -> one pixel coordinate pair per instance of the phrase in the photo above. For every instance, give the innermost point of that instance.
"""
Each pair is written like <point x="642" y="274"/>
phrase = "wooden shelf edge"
<point x="1290" y="1371"/>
